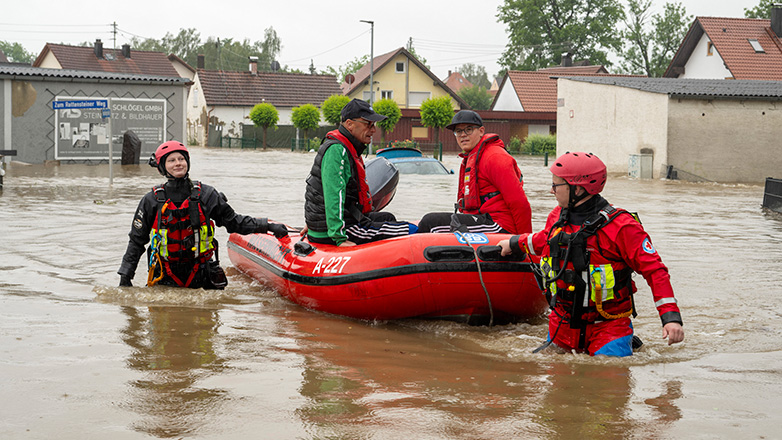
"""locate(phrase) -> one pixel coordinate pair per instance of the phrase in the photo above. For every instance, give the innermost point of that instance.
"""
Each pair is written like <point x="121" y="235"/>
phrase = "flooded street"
<point x="81" y="358"/>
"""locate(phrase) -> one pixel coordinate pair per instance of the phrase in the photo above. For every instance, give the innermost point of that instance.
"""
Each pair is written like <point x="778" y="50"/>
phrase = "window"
<point x="387" y="94"/>
<point x="400" y="67"/>
<point x="365" y="96"/>
<point x="416" y="98"/>
<point x="420" y="133"/>
<point x="709" y="49"/>
<point x="756" y="45"/>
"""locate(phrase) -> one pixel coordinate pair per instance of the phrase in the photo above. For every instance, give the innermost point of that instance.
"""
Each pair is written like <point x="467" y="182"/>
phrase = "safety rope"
<point x="599" y="305"/>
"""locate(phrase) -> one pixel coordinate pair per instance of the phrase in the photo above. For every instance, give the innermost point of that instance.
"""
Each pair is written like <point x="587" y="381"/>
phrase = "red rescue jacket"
<point x="490" y="182"/>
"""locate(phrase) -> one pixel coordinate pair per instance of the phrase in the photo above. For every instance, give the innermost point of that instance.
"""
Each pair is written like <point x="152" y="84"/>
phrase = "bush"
<point x="540" y="144"/>
<point x="407" y="143"/>
<point x="514" y="146"/>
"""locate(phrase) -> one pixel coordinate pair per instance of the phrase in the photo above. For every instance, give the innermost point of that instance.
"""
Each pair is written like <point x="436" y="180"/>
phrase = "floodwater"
<point x="82" y="358"/>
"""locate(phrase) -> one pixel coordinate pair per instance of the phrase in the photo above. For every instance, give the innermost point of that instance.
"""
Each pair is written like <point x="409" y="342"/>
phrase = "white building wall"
<point x="508" y="99"/>
<point x="700" y="65"/>
<point x="612" y="122"/>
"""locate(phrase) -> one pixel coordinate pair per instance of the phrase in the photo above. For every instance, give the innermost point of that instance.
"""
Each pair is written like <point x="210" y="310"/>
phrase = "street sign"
<point x="84" y="103"/>
<point x="105" y="113"/>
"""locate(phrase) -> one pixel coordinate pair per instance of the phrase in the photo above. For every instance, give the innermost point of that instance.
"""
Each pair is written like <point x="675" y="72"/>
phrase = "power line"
<point x="329" y="50"/>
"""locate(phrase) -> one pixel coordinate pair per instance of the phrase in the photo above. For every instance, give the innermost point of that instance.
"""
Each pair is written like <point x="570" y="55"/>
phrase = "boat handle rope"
<point x="480" y="276"/>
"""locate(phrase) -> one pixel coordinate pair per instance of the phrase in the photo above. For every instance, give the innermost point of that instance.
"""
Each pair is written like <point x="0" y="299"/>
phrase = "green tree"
<point x="437" y="113"/>
<point x="305" y="117"/>
<point x="540" y="31"/>
<point x="185" y="44"/>
<point x="762" y="10"/>
<point x="16" y="53"/>
<point x="389" y="108"/>
<point x="350" y="67"/>
<point x="219" y="54"/>
<point x="475" y="74"/>
<point x="477" y="97"/>
<point x="650" y="52"/>
<point x="264" y="115"/>
<point x="332" y="108"/>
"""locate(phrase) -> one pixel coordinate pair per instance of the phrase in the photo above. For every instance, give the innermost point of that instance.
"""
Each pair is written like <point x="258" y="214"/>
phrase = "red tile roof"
<point x="537" y="91"/>
<point x="279" y="89"/>
<point x="457" y="81"/>
<point x="362" y="74"/>
<point x="730" y="38"/>
<point x="84" y="58"/>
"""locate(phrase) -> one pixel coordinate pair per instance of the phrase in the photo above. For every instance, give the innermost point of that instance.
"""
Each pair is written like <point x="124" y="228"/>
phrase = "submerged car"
<point x="411" y="161"/>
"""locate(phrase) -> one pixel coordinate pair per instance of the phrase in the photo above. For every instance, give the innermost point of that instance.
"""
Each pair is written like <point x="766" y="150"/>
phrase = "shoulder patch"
<point x="647" y="246"/>
<point x="137" y="223"/>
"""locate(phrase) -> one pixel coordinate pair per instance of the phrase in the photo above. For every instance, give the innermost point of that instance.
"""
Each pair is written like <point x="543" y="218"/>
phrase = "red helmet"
<point x="581" y="169"/>
<point x="166" y="148"/>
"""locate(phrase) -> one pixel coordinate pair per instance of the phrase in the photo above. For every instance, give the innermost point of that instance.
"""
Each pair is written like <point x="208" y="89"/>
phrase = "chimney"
<point x="253" y="65"/>
<point x="126" y="50"/>
<point x="449" y="74"/>
<point x="776" y="19"/>
<point x="98" y="48"/>
<point x="567" y="60"/>
<point x="200" y="62"/>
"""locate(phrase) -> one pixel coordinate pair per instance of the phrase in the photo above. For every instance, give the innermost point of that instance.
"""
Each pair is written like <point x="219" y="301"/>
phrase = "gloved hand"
<point x="125" y="281"/>
<point x="278" y="229"/>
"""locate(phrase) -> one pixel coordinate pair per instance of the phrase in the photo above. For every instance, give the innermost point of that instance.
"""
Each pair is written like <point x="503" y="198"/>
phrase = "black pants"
<point x="440" y="222"/>
<point x="375" y="226"/>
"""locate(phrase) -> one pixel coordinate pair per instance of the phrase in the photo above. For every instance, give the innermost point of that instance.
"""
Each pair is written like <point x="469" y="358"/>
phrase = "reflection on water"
<point x="173" y="348"/>
<point x="241" y="363"/>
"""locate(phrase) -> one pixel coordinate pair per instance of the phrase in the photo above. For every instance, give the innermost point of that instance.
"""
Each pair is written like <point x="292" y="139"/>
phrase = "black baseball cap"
<point x="360" y="109"/>
<point x="465" y="117"/>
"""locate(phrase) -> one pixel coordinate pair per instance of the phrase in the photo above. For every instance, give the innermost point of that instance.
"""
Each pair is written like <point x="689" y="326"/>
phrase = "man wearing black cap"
<point x="338" y="205"/>
<point x="491" y="196"/>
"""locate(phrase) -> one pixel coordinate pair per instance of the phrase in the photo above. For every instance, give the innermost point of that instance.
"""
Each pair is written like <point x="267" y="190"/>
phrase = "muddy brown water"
<point x="82" y="358"/>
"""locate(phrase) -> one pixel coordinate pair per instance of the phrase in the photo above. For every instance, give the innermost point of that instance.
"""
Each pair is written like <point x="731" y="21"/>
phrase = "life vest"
<point x="357" y="197"/>
<point x="364" y="196"/>
<point x="571" y="270"/>
<point x="182" y="238"/>
<point x="470" y="199"/>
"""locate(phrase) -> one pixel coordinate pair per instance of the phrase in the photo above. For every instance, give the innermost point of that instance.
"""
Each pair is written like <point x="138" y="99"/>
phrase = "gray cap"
<point x="465" y="117"/>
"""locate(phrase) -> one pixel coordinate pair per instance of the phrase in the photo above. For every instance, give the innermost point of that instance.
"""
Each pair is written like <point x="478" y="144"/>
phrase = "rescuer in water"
<point x="589" y="250"/>
<point x="179" y="219"/>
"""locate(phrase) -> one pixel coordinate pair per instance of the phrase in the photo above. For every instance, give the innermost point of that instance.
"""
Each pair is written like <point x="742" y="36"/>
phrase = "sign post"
<point x="103" y="105"/>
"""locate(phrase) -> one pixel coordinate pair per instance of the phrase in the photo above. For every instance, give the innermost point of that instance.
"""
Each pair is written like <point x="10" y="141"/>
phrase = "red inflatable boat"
<point x="420" y="275"/>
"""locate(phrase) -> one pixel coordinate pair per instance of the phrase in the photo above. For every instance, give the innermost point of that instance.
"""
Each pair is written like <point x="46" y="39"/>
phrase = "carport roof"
<point x="693" y="88"/>
<point x="43" y="74"/>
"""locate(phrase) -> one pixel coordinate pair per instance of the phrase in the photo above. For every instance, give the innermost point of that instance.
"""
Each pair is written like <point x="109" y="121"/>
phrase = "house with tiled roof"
<point x="691" y="129"/>
<point x="400" y="76"/>
<point x="223" y="100"/>
<point x="99" y="59"/>
<point x="536" y="91"/>
<point x="731" y="48"/>
<point x="456" y="81"/>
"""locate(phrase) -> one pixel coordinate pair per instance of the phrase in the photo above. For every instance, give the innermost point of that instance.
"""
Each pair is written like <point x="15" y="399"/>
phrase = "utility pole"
<point x="371" y="61"/>
<point x="114" y="31"/>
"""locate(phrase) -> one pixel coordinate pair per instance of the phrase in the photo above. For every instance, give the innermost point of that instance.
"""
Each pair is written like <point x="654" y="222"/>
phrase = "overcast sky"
<point x="446" y="33"/>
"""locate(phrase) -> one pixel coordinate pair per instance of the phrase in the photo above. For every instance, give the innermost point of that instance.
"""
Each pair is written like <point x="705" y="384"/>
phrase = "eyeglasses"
<point x="555" y="185"/>
<point x="370" y="124"/>
<point x="468" y="131"/>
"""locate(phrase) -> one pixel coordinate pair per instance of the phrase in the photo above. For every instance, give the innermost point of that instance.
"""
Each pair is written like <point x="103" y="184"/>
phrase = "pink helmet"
<point x="581" y="169"/>
<point x="158" y="158"/>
